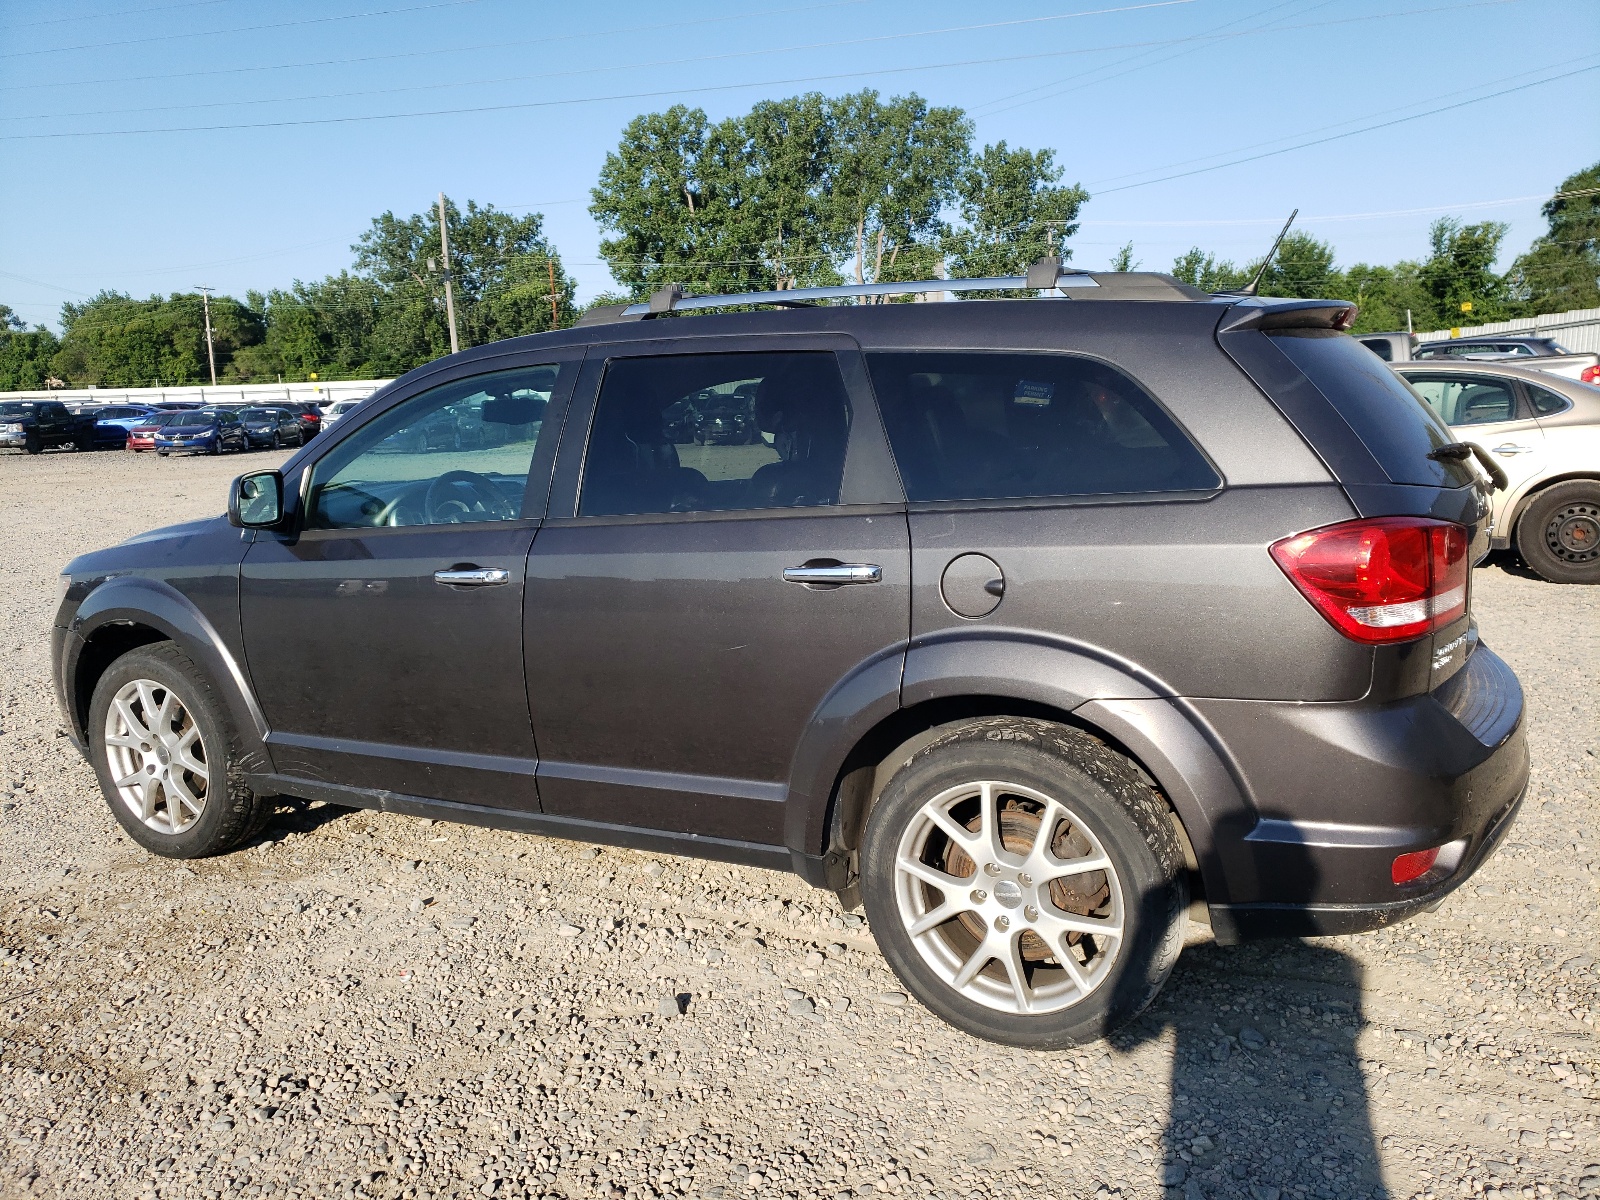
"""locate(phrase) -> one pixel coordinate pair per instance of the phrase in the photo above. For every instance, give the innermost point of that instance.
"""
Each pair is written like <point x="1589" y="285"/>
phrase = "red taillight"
<point x="1408" y="868"/>
<point x="1591" y="375"/>
<point x="1384" y="579"/>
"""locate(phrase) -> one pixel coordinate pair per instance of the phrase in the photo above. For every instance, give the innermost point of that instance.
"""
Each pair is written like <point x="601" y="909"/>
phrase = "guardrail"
<point x="1577" y="329"/>
<point x="236" y="393"/>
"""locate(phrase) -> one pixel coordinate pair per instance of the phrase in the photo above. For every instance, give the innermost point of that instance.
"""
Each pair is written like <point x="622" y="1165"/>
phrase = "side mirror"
<point x="255" y="501"/>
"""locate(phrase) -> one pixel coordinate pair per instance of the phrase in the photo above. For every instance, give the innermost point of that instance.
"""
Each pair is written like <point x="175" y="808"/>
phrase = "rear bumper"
<point x="1339" y="791"/>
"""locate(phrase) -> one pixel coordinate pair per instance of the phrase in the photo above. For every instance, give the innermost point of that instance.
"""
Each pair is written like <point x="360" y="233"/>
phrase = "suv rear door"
<point x="672" y="668"/>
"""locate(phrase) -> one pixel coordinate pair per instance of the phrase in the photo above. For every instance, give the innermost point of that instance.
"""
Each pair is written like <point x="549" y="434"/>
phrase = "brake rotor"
<point x="1083" y="895"/>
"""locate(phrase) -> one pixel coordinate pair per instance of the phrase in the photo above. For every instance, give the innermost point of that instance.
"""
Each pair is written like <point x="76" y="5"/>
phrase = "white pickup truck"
<point x="1539" y="353"/>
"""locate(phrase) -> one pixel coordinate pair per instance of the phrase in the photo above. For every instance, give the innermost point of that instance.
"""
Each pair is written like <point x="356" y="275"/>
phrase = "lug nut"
<point x="1031" y="913"/>
<point x="1002" y="922"/>
<point x="991" y="869"/>
<point x="979" y="896"/>
<point x="1025" y="880"/>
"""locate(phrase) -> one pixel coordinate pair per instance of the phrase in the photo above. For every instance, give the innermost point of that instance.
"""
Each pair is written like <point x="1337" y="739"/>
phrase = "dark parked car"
<point x="1026" y="622"/>
<point x="35" y="425"/>
<point x="726" y="422"/>
<point x="112" y="424"/>
<point x="205" y="431"/>
<point x="308" y="414"/>
<point x="274" y="427"/>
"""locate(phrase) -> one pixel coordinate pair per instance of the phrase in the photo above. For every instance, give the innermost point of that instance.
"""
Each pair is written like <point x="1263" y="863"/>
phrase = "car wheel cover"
<point x="1009" y="897"/>
<point x="1573" y="532"/>
<point x="156" y="756"/>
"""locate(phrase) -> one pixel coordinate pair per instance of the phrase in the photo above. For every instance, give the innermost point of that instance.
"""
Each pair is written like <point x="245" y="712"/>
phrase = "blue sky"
<point x="1139" y="100"/>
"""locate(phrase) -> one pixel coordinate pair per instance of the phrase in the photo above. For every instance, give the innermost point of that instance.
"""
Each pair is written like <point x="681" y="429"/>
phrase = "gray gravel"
<point x="384" y="1007"/>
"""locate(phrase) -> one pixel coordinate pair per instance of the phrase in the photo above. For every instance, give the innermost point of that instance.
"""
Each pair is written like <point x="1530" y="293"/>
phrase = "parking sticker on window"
<point x="1032" y="392"/>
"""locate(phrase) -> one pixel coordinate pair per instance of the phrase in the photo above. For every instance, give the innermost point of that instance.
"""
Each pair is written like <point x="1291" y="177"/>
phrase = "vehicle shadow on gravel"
<point x="1268" y="1099"/>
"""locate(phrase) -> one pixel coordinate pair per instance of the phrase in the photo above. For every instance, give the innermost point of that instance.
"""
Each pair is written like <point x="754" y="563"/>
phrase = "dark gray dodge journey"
<point x="1033" y="625"/>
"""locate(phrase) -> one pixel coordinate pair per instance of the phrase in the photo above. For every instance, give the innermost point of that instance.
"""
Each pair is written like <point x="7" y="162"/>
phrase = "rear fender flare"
<point x="1096" y="690"/>
<point x="139" y="600"/>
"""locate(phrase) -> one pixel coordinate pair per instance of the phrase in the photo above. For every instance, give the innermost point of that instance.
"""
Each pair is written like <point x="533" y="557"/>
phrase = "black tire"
<point x="161" y="453"/>
<point x="31" y="444"/>
<point x="1110" y="797"/>
<point x="1558" y="534"/>
<point x="231" y="811"/>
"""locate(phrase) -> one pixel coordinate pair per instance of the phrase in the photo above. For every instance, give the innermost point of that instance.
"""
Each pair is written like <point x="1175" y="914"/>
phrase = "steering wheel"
<point x="444" y="504"/>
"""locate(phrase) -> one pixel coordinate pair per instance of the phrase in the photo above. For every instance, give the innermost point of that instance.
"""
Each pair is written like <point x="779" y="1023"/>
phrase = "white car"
<point x="1544" y="431"/>
<point x="336" y="410"/>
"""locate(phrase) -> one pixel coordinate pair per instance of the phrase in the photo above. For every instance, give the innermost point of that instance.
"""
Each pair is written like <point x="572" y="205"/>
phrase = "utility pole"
<point x="210" y="352"/>
<point x="554" y="316"/>
<point x="449" y="294"/>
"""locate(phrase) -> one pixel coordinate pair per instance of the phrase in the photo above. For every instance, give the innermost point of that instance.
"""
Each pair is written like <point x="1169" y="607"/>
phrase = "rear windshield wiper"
<point x="1460" y="451"/>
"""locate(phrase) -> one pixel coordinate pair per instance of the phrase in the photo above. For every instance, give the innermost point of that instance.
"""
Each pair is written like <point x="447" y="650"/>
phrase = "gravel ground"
<point x="378" y="1006"/>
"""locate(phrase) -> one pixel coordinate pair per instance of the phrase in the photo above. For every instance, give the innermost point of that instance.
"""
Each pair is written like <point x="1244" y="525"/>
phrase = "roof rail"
<point x="1047" y="274"/>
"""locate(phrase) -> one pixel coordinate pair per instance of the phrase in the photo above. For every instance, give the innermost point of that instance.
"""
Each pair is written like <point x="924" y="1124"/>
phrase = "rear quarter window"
<point x="1392" y="421"/>
<point x="990" y="426"/>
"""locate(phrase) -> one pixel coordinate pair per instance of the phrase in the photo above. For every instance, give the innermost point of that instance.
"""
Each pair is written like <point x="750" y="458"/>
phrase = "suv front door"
<point x="383" y="631"/>
<point x="676" y="652"/>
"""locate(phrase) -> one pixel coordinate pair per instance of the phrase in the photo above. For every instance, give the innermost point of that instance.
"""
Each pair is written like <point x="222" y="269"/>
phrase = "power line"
<point x="589" y="70"/>
<point x="1351" y="120"/>
<point x="126" y="12"/>
<point x="1353" y="132"/>
<point x="198" y="33"/>
<point x="710" y="88"/>
<point x="301" y="64"/>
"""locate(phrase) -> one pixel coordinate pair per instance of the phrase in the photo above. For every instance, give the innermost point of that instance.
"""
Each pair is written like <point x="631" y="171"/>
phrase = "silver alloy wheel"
<point x="157" y="757"/>
<point x="996" y="909"/>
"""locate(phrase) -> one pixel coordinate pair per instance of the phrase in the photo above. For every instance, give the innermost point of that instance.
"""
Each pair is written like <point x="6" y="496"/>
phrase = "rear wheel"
<point x="1025" y="883"/>
<point x="1558" y="533"/>
<point x="166" y="755"/>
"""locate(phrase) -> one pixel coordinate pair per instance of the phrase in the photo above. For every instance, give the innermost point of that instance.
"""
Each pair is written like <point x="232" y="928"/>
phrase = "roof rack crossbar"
<point x="670" y="300"/>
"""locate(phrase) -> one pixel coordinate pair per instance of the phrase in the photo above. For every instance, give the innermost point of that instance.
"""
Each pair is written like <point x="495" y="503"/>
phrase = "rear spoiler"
<point x="1266" y="313"/>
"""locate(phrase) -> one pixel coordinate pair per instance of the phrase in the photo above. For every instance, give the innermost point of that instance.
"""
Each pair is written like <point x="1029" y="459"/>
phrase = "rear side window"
<point x="708" y="432"/>
<point x="1545" y="402"/>
<point x="1466" y="399"/>
<point x="1381" y="347"/>
<point x="982" y="426"/>
<point x="1392" y="420"/>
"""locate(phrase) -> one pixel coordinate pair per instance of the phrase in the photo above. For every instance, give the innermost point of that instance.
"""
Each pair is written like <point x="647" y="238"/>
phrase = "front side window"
<point x="701" y="432"/>
<point x="999" y="426"/>
<point x="458" y="453"/>
<point x="1466" y="399"/>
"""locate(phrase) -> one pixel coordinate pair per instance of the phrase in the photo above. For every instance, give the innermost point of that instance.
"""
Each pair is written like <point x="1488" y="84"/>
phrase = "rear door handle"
<point x="473" y="576"/>
<point x="1510" y="450"/>
<point x="841" y="574"/>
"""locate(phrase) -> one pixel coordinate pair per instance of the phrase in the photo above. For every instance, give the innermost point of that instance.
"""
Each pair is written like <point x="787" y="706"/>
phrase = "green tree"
<point x="1561" y="270"/>
<point x="1303" y="266"/>
<point x="1460" y="270"/>
<point x="1013" y="211"/>
<point x="1207" y="272"/>
<point x="25" y="353"/>
<point x="895" y="167"/>
<point x="117" y="341"/>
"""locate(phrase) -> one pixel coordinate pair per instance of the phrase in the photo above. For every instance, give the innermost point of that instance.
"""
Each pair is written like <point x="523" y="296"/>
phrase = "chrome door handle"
<point x="841" y="574"/>
<point x="473" y="576"/>
<point x="1510" y="450"/>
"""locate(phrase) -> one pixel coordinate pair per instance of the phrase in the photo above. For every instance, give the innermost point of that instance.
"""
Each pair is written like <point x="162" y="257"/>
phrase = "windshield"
<point x="257" y="414"/>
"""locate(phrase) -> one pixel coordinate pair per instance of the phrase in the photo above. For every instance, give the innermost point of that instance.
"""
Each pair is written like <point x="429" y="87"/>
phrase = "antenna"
<point x="1249" y="289"/>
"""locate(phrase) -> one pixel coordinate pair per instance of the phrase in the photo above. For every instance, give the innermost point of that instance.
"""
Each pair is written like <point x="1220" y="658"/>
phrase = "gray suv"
<point x="1026" y="623"/>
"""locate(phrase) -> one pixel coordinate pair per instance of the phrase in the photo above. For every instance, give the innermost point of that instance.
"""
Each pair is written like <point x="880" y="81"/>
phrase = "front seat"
<point x="803" y="411"/>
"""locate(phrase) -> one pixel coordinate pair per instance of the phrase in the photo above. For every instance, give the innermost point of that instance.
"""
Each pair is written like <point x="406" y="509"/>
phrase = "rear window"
<point x="1394" y="423"/>
<point x="1001" y="426"/>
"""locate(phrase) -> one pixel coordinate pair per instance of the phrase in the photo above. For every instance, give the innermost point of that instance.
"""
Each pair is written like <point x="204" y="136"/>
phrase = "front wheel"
<point x="1558" y="533"/>
<point x="32" y="445"/>
<point x="1025" y="883"/>
<point x="167" y="756"/>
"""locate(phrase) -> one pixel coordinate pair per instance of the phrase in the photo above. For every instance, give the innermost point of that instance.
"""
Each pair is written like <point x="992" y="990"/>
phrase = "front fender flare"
<point x="140" y="600"/>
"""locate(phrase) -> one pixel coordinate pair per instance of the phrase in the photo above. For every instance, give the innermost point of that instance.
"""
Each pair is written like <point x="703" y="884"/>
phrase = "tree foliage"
<point x="113" y="339"/>
<point x="1561" y="270"/>
<point x="812" y="190"/>
<point x="25" y="353"/>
